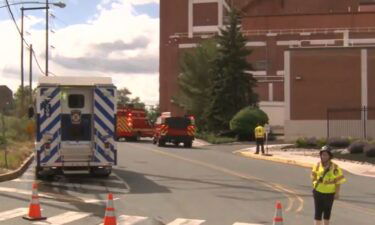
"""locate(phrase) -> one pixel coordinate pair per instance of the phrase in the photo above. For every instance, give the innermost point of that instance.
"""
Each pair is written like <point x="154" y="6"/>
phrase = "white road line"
<point x="64" y="218"/>
<point x="247" y="223"/>
<point x="24" y="192"/>
<point x="181" y="221"/>
<point x="10" y="214"/>
<point x="129" y="220"/>
<point x="23" y="180"/>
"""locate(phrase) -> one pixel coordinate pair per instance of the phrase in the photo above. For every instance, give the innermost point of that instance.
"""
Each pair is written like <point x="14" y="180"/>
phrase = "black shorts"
<point x="259" y="141"/>
<point x="323" y="205"/>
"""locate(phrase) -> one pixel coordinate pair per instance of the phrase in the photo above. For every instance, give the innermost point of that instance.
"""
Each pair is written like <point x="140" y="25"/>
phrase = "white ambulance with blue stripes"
<point x="75" y="119"/>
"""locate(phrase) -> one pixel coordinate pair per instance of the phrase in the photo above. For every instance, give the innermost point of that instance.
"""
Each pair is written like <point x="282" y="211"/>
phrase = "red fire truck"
<point x="132" y="124"/>
<point x="174" y="130"/>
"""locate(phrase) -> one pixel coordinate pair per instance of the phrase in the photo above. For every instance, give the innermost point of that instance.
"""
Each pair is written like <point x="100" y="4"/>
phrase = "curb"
<point x="18" y="172"/>
<point x="275" y="159"/>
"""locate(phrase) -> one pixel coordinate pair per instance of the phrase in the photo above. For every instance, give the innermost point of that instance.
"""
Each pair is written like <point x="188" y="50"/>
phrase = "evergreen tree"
<point x="195" y="80"/>
<point x="232" y="88"/>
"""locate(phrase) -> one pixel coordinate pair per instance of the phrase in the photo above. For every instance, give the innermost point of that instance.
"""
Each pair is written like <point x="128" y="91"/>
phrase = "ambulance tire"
<point x="37" y="173"/>
<point x="100" y="172"/>
<point x="188" y="144"/>
<point x="154" y="141"/>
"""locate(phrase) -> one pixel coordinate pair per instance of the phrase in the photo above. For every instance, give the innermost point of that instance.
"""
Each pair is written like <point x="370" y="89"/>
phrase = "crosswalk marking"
<point x="129" y="220"/>
<point x="71" y="216"/>
<point x="64" y="218"/>
<point x="181" y="221"/>
<point x="10" y="214"/>
<point x="247" y="224"/>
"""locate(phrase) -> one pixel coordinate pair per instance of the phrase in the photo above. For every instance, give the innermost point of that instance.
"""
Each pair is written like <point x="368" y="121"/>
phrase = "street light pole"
<point x="22" y="71"/>
<point x="47" y="18"/>
<point x="31" y="75"/>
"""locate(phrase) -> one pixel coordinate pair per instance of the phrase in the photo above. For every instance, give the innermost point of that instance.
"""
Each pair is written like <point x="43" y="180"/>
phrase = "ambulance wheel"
<point x="176" y="143"/>
<point x="188" y="144"/>
<point x="102" y="172"/>
<point x="37" y="173"/>
<point x="154" y="141"/>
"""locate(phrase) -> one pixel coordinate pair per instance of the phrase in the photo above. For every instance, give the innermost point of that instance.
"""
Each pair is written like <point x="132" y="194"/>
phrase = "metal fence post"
<point x="364" y="122"/>
<point x="327" y="123"/>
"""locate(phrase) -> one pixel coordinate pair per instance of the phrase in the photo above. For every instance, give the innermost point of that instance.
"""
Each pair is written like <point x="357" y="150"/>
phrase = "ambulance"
<point x="75" y="120"/>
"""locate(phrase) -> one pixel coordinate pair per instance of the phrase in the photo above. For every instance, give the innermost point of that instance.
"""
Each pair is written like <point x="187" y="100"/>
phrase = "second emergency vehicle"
<point x="174" y="130"/>
<point x="132" y="124"/>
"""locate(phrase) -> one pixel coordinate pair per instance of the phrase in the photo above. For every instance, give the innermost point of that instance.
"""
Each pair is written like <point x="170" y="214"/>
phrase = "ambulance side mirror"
<point x="31" y="112"/>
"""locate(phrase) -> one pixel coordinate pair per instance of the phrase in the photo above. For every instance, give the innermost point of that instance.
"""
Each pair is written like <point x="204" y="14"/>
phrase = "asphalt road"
<point x="206" y="185"/>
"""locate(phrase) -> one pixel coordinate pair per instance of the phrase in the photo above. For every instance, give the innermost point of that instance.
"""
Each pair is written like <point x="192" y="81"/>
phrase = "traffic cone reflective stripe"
<point x="34" y="207"/>
<point x="278" y="219"/>
<point x="110" y="217"/>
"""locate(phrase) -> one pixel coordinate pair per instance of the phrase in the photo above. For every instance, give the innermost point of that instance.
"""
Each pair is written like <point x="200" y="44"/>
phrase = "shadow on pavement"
<point x="139" y="184"/>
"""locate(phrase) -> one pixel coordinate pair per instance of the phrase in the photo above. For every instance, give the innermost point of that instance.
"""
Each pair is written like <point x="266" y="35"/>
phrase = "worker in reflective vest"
<point x="326" y="178"/>
<point x="259" y="132"/>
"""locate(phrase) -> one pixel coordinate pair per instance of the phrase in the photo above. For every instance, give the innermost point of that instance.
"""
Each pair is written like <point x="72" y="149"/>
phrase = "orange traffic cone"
<point x="110" y="217"/>
<point x="34" y="208"/>
<point x="278" y="219"/>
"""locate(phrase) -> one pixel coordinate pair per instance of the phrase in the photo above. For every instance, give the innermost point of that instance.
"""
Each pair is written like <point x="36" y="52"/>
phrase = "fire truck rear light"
<point x="47" y="145"/>
<point x="106" y="145"/>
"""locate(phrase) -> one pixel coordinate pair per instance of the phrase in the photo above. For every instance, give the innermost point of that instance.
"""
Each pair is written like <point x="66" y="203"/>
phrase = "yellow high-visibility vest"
<point x="333" y="177"/>
<point x="259" y="132"/>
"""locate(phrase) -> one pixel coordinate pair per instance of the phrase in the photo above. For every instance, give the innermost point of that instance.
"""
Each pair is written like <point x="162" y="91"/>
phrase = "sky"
<point x="116" y="38"/>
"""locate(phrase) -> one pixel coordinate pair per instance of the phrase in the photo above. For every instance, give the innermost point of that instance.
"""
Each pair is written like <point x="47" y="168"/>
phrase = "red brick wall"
<point x="329" y="78"/>
<point x="262" y="91"/>
<point x="205" y="14"/>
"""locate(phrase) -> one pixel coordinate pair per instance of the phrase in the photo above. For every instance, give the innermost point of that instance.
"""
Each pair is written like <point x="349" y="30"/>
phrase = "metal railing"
<point x="356" y="123"/>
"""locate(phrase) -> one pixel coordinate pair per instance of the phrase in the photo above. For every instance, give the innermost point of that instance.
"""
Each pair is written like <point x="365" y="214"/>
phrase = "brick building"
<point x="307" y="56"/>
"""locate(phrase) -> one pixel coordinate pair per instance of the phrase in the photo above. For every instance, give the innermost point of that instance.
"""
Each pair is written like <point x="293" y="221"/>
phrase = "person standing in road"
<point x="260" y="133"/>
<point x="327" y="178"/>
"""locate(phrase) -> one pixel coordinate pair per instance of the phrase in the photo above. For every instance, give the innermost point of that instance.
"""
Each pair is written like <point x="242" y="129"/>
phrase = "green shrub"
<point x="15" y="128"/>
<point x="245" y="121"/>
<point x="339" y="142"/>
<point x="370" y="150"/>
<point x="214" y="139"/>
<point x="321" y="142"/>
<point x="357" y="147"/>
<point x="301" y="143"/>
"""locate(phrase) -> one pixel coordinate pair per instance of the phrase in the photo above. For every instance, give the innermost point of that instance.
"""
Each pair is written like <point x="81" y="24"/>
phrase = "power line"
<point x="23" y="39"/>
<point x="37" y="63"/>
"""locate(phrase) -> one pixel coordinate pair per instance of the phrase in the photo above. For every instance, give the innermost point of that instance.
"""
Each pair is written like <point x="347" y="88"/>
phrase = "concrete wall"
<point x="275" y="112"/>
<point x="295" y="129"/>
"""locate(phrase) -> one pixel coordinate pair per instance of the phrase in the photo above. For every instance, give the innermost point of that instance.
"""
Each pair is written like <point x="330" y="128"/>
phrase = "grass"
<point x="355" y="157"/>
<point x="17" y="142"/>
<point x="17" y="152"/>
<point x="213" y="139"/>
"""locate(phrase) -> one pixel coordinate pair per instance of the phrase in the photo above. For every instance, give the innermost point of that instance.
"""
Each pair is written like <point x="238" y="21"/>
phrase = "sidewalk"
<point x="303" y="159"/>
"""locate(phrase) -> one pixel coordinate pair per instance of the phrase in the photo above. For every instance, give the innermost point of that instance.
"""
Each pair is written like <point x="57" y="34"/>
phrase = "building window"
<point x="76" y="101"/>
<point x="260" y="65"/>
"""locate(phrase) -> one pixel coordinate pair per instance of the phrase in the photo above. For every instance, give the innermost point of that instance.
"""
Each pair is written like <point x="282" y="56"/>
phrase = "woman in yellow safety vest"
<point x="327" y="178"/>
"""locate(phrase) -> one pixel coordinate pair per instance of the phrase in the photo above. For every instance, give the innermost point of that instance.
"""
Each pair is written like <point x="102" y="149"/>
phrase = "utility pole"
<point x="22" y="71"/>
<point x="31" y="75"/>
<point x="47" y="17"/>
